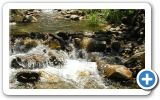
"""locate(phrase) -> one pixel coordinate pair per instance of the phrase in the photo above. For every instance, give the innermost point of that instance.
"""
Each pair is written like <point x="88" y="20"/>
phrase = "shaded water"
<point x="51" y="21"/>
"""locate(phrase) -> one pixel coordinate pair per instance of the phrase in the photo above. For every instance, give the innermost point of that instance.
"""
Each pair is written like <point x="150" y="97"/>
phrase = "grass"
<point x="96" y="17"/>
<point x="93" y="20"/>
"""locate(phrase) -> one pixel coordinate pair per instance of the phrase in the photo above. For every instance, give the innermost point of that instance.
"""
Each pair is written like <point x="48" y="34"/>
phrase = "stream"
<point x="66" y="70"/>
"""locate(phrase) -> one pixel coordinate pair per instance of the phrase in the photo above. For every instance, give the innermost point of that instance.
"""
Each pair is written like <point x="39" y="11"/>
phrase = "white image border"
<point x="6" y="70"/>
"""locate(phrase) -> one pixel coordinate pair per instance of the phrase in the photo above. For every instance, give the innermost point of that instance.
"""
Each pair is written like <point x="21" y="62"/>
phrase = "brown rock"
<point x="54" y="44"/>
<point x="117" y="72"/>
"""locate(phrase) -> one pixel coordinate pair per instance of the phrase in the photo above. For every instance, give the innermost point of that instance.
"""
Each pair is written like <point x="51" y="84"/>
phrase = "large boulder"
<point x="117" y="72"/>
<point x="92" y="45"/>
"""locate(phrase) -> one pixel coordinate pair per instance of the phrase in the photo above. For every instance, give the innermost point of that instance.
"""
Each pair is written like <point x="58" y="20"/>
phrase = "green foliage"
<point x="115" y="16"/>
<point x="93" y="20"/>
<point x="96" y="17"/>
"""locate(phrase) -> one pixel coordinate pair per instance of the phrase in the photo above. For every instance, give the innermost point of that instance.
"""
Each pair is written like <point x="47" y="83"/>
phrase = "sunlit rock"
<point x="117" y="72"/>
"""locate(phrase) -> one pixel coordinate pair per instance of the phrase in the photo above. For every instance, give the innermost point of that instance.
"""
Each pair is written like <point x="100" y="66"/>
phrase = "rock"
<point x="102" y="33"/>
<point x="15" y="63"/>
<point x="137" y="59"/>
<point x="12" y="23"/>
<point x="64" y="35"/>
<point x="20" y="35"/>
<point x="85" y="42"/>
<point x="60" y="39"/>
<point x="92" y="45"/>
<point x="96" y="46"/>
<point x="34" y="19"/>
<point x="74" y="17"/>
<point x="29" y="44"/>
<point x="117" y="72"/>
<point x="28" y="77"/>
<point x="57" y="58"/>
<point x="127" y="50"/>
<point x="67" y="16"/>
<point x="29" y="61"/>
<point x="116" y="46"/>
<point x="81" y="18"/>
<point x="21" y="45"/>
<point x="38" y="35"/>
<point x="29" y="19"/>
<point x="77" y="42"/>
<point x="77" y="35"/>
<point x="55" y="61"/>
<point x="54" y="44"/>
<point x="18" y="18"/>
<point x="83" y="74"/>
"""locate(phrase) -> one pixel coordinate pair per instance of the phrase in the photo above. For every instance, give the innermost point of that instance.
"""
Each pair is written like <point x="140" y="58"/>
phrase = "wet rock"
<point x="77" y="35"/>
<point x="20" y="35"/>
<point x="38" y="35"/>
<point x="84" y="74"/>
<point x="55" y="61"/>
<point x="29" y="44"/>
<point x="30" y="61"/>
<point x="57" y="58"/>
<point x="15" y="63"/>
<point x="74" y="17"/>
<point x="64" y="35"/>
<point x="28" y="77"/>
<point x="54" y="81"/>
<point x="77" y="42"/>
<point x="59" y="39"/>
<point x="21" y="45"/>
<point x="54" y="44"/>
<point x="117" y="72"/>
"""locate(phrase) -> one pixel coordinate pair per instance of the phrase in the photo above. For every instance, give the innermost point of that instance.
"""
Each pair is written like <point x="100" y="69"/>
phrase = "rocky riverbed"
<point x="52" y="58"/>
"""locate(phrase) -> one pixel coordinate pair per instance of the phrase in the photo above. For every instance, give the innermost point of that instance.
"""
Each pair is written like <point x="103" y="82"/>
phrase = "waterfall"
<point x="66" y="66"/>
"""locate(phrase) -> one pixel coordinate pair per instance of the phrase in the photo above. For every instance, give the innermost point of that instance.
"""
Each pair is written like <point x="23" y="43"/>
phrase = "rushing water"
<point x="78" y="72"/>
